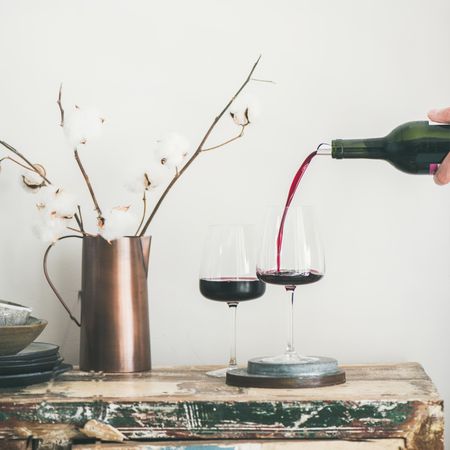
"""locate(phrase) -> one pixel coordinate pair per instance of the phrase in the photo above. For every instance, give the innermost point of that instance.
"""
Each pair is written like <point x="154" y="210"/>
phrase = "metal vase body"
<point x="115" y="334"/>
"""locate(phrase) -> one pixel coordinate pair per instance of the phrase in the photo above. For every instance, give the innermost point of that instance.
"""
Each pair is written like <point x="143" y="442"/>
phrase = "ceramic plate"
<point x="33" y="351"/>
<point x="32" y="378"/>
<point x="44" y="359"/>
<point x="30" y="367"/>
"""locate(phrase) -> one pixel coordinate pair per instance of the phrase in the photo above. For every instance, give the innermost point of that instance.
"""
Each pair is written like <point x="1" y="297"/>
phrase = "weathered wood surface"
<point x="378" y="444"/>
<point x="378" y="401"/>
<point x="15" y="445"/>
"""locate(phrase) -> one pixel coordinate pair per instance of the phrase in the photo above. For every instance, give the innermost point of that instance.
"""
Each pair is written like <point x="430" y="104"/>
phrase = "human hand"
<point x="442" y="176"/>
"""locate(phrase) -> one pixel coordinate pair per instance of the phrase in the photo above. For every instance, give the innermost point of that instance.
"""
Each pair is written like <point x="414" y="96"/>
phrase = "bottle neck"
<point x="358" y="148"/>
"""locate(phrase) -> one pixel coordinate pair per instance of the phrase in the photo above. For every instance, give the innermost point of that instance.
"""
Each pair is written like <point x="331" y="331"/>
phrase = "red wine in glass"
<point x="289" y="277"/>
<point x="232" y="290"/>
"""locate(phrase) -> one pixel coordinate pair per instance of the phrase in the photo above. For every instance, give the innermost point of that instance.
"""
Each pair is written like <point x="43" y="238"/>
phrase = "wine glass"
<point x="291" y="255"/>
<point x="228" y="275"/>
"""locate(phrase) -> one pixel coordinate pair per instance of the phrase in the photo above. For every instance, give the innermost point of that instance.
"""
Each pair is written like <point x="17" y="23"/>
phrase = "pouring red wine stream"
<point x="292" y="190"/>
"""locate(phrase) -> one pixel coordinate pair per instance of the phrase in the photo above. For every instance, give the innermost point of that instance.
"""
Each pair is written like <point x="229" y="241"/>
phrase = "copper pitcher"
<point x="115" y="335"/>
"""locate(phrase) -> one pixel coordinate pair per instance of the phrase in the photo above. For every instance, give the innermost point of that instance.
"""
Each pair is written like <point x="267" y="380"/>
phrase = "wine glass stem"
<point x="232" y="364"/>
<point x="290" y="337"/>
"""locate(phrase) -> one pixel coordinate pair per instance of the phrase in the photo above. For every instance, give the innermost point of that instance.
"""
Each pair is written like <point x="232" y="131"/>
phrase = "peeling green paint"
<point x="299" y="419"/>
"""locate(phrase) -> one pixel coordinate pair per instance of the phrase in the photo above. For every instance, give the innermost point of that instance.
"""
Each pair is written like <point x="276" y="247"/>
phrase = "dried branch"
<point x="263" y="81"/>
<point x="144" y="212"/>
<point x="61" y="110"/>
<point x="101" y="219"/>
<point x="80" y="231"/>
<point x="18" y="163"/>
<point x="226" y="142"/>
<point x="199" y="148"/>
<point x="79" y="218"/>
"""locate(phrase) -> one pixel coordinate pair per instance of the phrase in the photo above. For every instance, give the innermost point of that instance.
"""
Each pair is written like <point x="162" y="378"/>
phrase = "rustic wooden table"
<point x="380" y="407"/>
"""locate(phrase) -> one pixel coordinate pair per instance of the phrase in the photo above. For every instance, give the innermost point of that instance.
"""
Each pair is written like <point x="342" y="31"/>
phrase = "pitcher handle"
<point x="49" y="281"/>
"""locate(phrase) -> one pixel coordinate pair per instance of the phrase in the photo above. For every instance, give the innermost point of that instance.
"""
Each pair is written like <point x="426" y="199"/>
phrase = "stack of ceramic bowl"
<point x="23" y="361"/>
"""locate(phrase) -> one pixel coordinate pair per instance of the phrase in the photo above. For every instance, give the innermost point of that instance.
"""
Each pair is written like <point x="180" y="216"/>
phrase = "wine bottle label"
<point x="433" y="168"/>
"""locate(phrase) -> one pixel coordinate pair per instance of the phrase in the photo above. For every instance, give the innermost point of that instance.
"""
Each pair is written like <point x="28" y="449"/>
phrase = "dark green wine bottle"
<point x="414" y="147"/>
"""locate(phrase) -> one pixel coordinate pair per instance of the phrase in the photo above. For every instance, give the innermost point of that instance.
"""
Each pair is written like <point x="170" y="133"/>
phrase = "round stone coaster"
<point x="278" y="366"/>
<point x="270" y="372"/>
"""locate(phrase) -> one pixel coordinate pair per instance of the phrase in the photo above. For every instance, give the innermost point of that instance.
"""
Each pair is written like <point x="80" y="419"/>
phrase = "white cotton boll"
<point x="119" y="222"/>
<point x="153" y="176"/>
<point x="57" y="202"/>
<point x="245" y="110"/>
<point x="157" y="174"/>
<point x="137" y="183"/>
<point x="46" y="195"/>
<point x="83" y="125"/>
<point x="56" y="207"/>
<point x="240" y="117"/>
<point x="32" y="177"/>
<point x="64" y="205"/>
<point x="33" y="181"/>
<point x="172" y="150"/>
<point x="49" y="229"/>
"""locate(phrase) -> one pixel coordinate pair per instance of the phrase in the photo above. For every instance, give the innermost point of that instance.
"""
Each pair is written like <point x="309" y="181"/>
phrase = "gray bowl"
<point x="13" y="313"/>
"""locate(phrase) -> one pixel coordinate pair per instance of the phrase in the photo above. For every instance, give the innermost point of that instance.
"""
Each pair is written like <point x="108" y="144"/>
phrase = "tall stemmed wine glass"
<point x="291" y="255"/>
<point x="228" y="275"/>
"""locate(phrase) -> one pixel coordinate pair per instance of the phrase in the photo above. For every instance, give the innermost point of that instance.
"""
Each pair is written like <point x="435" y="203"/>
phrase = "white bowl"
<point x="13" y="313"/>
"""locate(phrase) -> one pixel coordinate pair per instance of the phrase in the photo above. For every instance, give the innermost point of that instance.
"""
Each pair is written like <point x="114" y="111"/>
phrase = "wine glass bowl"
<point x="291" y="255"/>
<point x="231" y="290"/>
<point x="291" y="251"/>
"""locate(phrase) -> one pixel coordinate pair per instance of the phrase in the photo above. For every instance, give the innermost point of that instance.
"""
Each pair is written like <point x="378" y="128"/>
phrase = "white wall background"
<point x="345" y="68"/>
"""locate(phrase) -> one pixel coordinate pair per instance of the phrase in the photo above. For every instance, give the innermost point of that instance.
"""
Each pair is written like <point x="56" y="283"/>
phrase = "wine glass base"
<point x="220" y="373"/>
<point x="288" y="358"/>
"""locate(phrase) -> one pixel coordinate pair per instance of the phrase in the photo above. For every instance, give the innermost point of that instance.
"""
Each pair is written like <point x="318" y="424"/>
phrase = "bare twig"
<point x="84" y="233"/>
<point x="263" y="81"/>
<point x="79" y="218"/>
<point x="101" y="219"/>
<point x="61" y="110"/>
<point x="226" y="142"/>
<point x="144" y="212"/>
<point x="79" y="223"/>
<point x="18" y="163"/>
<point x="199" y="148"/>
